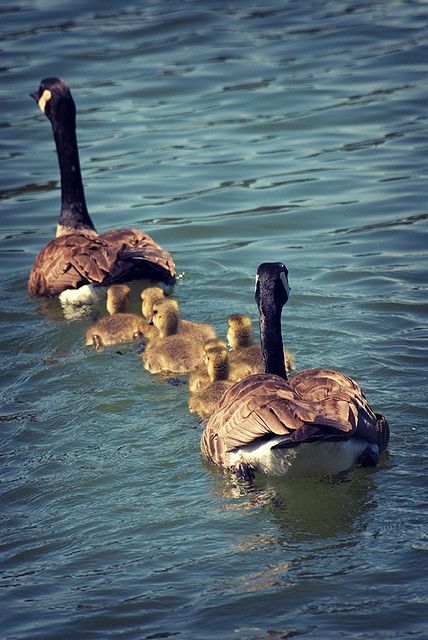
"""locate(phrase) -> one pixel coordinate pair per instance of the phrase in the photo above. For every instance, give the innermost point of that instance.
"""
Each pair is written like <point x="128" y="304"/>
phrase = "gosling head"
<point x="166" y="317"/>
<point x="117" y="298"/>
<point x="55" y="100"/>
<point x="148" y="298"/>
<point x="217" y="362"/>
<point x="239" y="331"/>
<point x="212" y="343"/>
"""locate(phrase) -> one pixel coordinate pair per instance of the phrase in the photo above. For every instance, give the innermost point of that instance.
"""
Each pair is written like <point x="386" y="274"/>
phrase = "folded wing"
<point x="76" y="259"/>
<point x="314" y="405"/>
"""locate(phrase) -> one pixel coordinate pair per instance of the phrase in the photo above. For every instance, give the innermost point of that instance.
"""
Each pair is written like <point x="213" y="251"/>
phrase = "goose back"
<point x="317" y="404"/>
<point x="78" y="258"/>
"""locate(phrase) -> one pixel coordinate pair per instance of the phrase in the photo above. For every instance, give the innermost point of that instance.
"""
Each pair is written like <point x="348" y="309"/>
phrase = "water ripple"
<point x="234" y="134"/>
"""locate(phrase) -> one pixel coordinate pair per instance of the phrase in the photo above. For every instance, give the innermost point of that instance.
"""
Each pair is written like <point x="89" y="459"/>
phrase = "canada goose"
<point x="246" y="357"/>
<point x="119" y="326"/>
<point x="317" y="423"/>
<point x="204" y="400"/>
<point x="171" y="351"/>
<point x="149" y="296"/>
<point x="199" y="375"/>
<point x="79" y="256"/>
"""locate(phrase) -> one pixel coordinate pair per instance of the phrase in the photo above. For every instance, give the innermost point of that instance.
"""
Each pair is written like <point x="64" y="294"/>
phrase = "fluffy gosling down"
<point x="79" y="259"/>
<point x="204" y="400"/>
<point x="199" y="377"/>
<point x="119" y="326"/>
<point x="195" y="330"/>
<point x="200" y="331"/>
<point x="149" y="297"/>
<point x="173" y="350"/>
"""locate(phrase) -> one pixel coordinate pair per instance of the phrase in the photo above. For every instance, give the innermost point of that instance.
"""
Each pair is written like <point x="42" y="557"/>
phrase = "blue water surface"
<point x="233" y="133"/>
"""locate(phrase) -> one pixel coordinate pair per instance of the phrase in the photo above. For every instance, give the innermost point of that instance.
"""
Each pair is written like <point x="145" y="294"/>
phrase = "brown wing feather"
<point x="75" y="259"/>
<point x="334" y="390"/>
<point x="315" y="404"/>
<point x="134" y="245"/>
<point x="68" y="262"/>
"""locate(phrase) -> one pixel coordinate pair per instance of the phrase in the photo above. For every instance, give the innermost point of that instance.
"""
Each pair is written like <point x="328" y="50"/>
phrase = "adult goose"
<point x="317" y="423"/>
<point x="79" y="257"/>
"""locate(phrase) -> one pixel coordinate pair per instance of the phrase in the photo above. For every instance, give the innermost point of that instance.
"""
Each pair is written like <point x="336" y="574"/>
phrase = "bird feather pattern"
<point x="72" y="260"/>
<point x="316" y="404"/>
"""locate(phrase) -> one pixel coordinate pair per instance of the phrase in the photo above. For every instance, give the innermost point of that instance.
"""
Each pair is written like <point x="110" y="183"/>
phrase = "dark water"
<point x="234" y="133"/>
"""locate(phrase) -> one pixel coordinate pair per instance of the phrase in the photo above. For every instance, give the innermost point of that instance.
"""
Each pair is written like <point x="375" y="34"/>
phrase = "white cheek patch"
<point x="255" y="285"/>
<point x="285" y="283"/>
<point x="45" y="97"/>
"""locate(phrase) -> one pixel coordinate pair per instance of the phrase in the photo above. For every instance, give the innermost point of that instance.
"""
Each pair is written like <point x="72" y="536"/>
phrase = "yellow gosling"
<point x="119" y="326"/>
<point x="199" y="376"/>
<point x="148" y="298"/>
<point x="204" y="400"/>
<point x="171" y="351"/>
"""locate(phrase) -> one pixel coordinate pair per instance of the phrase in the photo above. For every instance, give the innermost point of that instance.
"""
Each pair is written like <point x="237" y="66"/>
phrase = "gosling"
<point x="172" y="351"/>
<point x="199" y="376"/>
<point x="204" y="400"/>
<point x="119" y="326"/>
<point x="246" y="356"/>
<point x="149" y="296"/>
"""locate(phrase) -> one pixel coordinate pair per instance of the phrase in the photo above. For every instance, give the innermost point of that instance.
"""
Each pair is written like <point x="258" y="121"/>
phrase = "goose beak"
<point x="34" y="95"/>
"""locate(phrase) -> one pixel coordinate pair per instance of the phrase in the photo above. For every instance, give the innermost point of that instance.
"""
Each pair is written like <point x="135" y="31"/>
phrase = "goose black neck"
<point x="271" y="340"/>
<point x="74" y="213"/>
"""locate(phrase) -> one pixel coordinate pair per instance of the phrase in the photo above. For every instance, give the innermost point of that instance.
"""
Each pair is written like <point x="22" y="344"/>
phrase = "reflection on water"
<point x="304" y="509"/>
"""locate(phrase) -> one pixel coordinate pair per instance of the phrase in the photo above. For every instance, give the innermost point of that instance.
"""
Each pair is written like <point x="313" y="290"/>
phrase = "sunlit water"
<point x="234" y="133"/>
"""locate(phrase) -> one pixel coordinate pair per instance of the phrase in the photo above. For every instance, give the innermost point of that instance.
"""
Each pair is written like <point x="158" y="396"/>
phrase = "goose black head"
<point x="272" y="283"/>
<point x="55" y="100"/>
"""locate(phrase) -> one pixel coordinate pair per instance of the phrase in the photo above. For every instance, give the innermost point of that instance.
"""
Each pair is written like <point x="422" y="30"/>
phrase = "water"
<point x="233" y="133"/>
